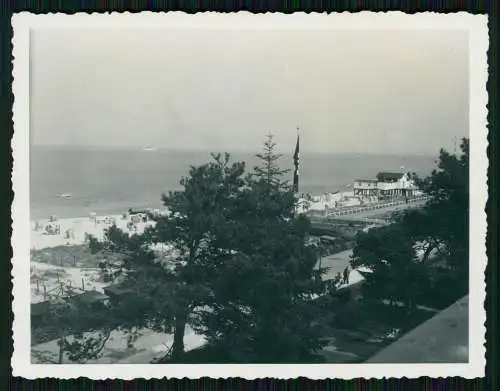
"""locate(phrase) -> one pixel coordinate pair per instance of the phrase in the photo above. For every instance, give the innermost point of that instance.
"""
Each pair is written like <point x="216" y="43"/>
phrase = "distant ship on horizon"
<point x="149" y="149"/>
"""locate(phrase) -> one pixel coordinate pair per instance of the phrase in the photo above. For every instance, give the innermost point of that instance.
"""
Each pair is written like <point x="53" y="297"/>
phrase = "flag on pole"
<point x="296" y="164"/>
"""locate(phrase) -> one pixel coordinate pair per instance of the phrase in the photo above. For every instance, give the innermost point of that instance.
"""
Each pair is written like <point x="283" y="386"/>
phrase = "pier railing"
<point x="365" y="208"/>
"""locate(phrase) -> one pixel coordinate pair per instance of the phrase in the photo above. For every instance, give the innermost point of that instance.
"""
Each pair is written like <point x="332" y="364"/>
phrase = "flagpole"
<point x="296" y="159"/>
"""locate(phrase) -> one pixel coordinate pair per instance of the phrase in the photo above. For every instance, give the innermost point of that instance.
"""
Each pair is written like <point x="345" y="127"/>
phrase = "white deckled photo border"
<point x="477" y="26"/>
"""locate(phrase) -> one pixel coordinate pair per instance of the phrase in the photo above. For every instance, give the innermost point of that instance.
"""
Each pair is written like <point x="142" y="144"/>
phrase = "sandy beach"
<point x="73" y="230"/>
<point x="62" y="261"/>
<point x="61" y="258"/>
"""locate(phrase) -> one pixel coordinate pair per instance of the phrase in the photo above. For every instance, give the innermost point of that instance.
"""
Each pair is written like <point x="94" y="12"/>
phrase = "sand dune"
<point x="46" y="280"/>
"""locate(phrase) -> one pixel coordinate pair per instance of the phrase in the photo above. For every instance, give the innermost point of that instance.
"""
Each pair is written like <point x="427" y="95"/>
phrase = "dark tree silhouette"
<point x="263" y="308"/>
<point x="440" y="229"/>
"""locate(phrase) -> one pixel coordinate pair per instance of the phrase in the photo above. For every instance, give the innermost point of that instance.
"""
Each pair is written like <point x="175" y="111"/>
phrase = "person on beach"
<point x="346" y="275"/>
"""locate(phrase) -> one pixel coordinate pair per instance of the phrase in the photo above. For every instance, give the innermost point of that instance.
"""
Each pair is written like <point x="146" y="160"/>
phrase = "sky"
<point x="349" y="91"/>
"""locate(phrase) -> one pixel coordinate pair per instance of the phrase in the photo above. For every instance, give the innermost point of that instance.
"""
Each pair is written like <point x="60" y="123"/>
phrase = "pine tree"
<point x="82" y="329"/>
<point x="269" y="171"/>
<point x="195" y="215"/>
<point x="397" y="274"/>
<point x="448" y="210"/>
<point x="263" y="308"/>
<point x="165" y="289"/>
<point x="441" y="227"/>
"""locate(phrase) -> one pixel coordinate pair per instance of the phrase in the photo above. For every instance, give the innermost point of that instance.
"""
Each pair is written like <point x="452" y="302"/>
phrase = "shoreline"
<point x="72" y="231"/>
<point x="64" y="209"/>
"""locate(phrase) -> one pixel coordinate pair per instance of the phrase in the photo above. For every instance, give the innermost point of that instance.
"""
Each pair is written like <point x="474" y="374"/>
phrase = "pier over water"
<point x="375" y="214"/>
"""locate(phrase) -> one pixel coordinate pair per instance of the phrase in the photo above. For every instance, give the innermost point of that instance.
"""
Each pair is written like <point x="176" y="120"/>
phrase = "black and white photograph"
<point x="249" y="190"/>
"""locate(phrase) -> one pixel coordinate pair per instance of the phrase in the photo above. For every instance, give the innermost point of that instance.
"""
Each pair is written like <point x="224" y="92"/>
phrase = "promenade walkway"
<point x="368" y="214"/>
<point x="368" y="211"/>
<point x="358" y="219"/>
<point x="335" y="262"/>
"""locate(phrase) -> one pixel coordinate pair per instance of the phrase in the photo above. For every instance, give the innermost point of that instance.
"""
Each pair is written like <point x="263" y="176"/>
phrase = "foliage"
<point x="194" y="227"/>
<point x="237" y="268"/>
<point x="161" y="289"/>
<point x="262" y="307"/>
<point x="81" y="329"/>
<point x="439" y="231"/>
<point x="442" y="226"/>
<point x="396" y="273"/>
<point x="172" y="286"/>
<point x="449" y="207"/>
<point x="269" y="171"/>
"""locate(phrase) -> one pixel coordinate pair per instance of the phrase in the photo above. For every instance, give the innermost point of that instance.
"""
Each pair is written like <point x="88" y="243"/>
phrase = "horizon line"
<point x="208" y="150"/>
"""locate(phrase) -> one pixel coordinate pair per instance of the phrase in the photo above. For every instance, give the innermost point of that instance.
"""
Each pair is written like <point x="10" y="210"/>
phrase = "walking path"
<point x="373" y="214"/>
<point x="336" y="263"/>
<point x="371" y="211"/>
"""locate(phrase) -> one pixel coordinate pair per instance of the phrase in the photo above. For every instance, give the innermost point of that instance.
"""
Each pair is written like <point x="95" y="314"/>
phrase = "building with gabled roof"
<point x="389" y="177"/>
<point x="388" y="185"/>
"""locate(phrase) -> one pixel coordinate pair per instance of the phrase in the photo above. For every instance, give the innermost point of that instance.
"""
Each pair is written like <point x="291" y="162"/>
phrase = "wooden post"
<point x="83" y="285"/>
<point x="44" y="292"/>
<point x="37" y="286"/>
<point x="57" y="273"/>
<point x="74" y="260"/>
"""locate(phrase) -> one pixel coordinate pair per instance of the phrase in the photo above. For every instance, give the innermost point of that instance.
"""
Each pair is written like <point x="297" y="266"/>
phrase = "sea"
<point x="110" y="181"/>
